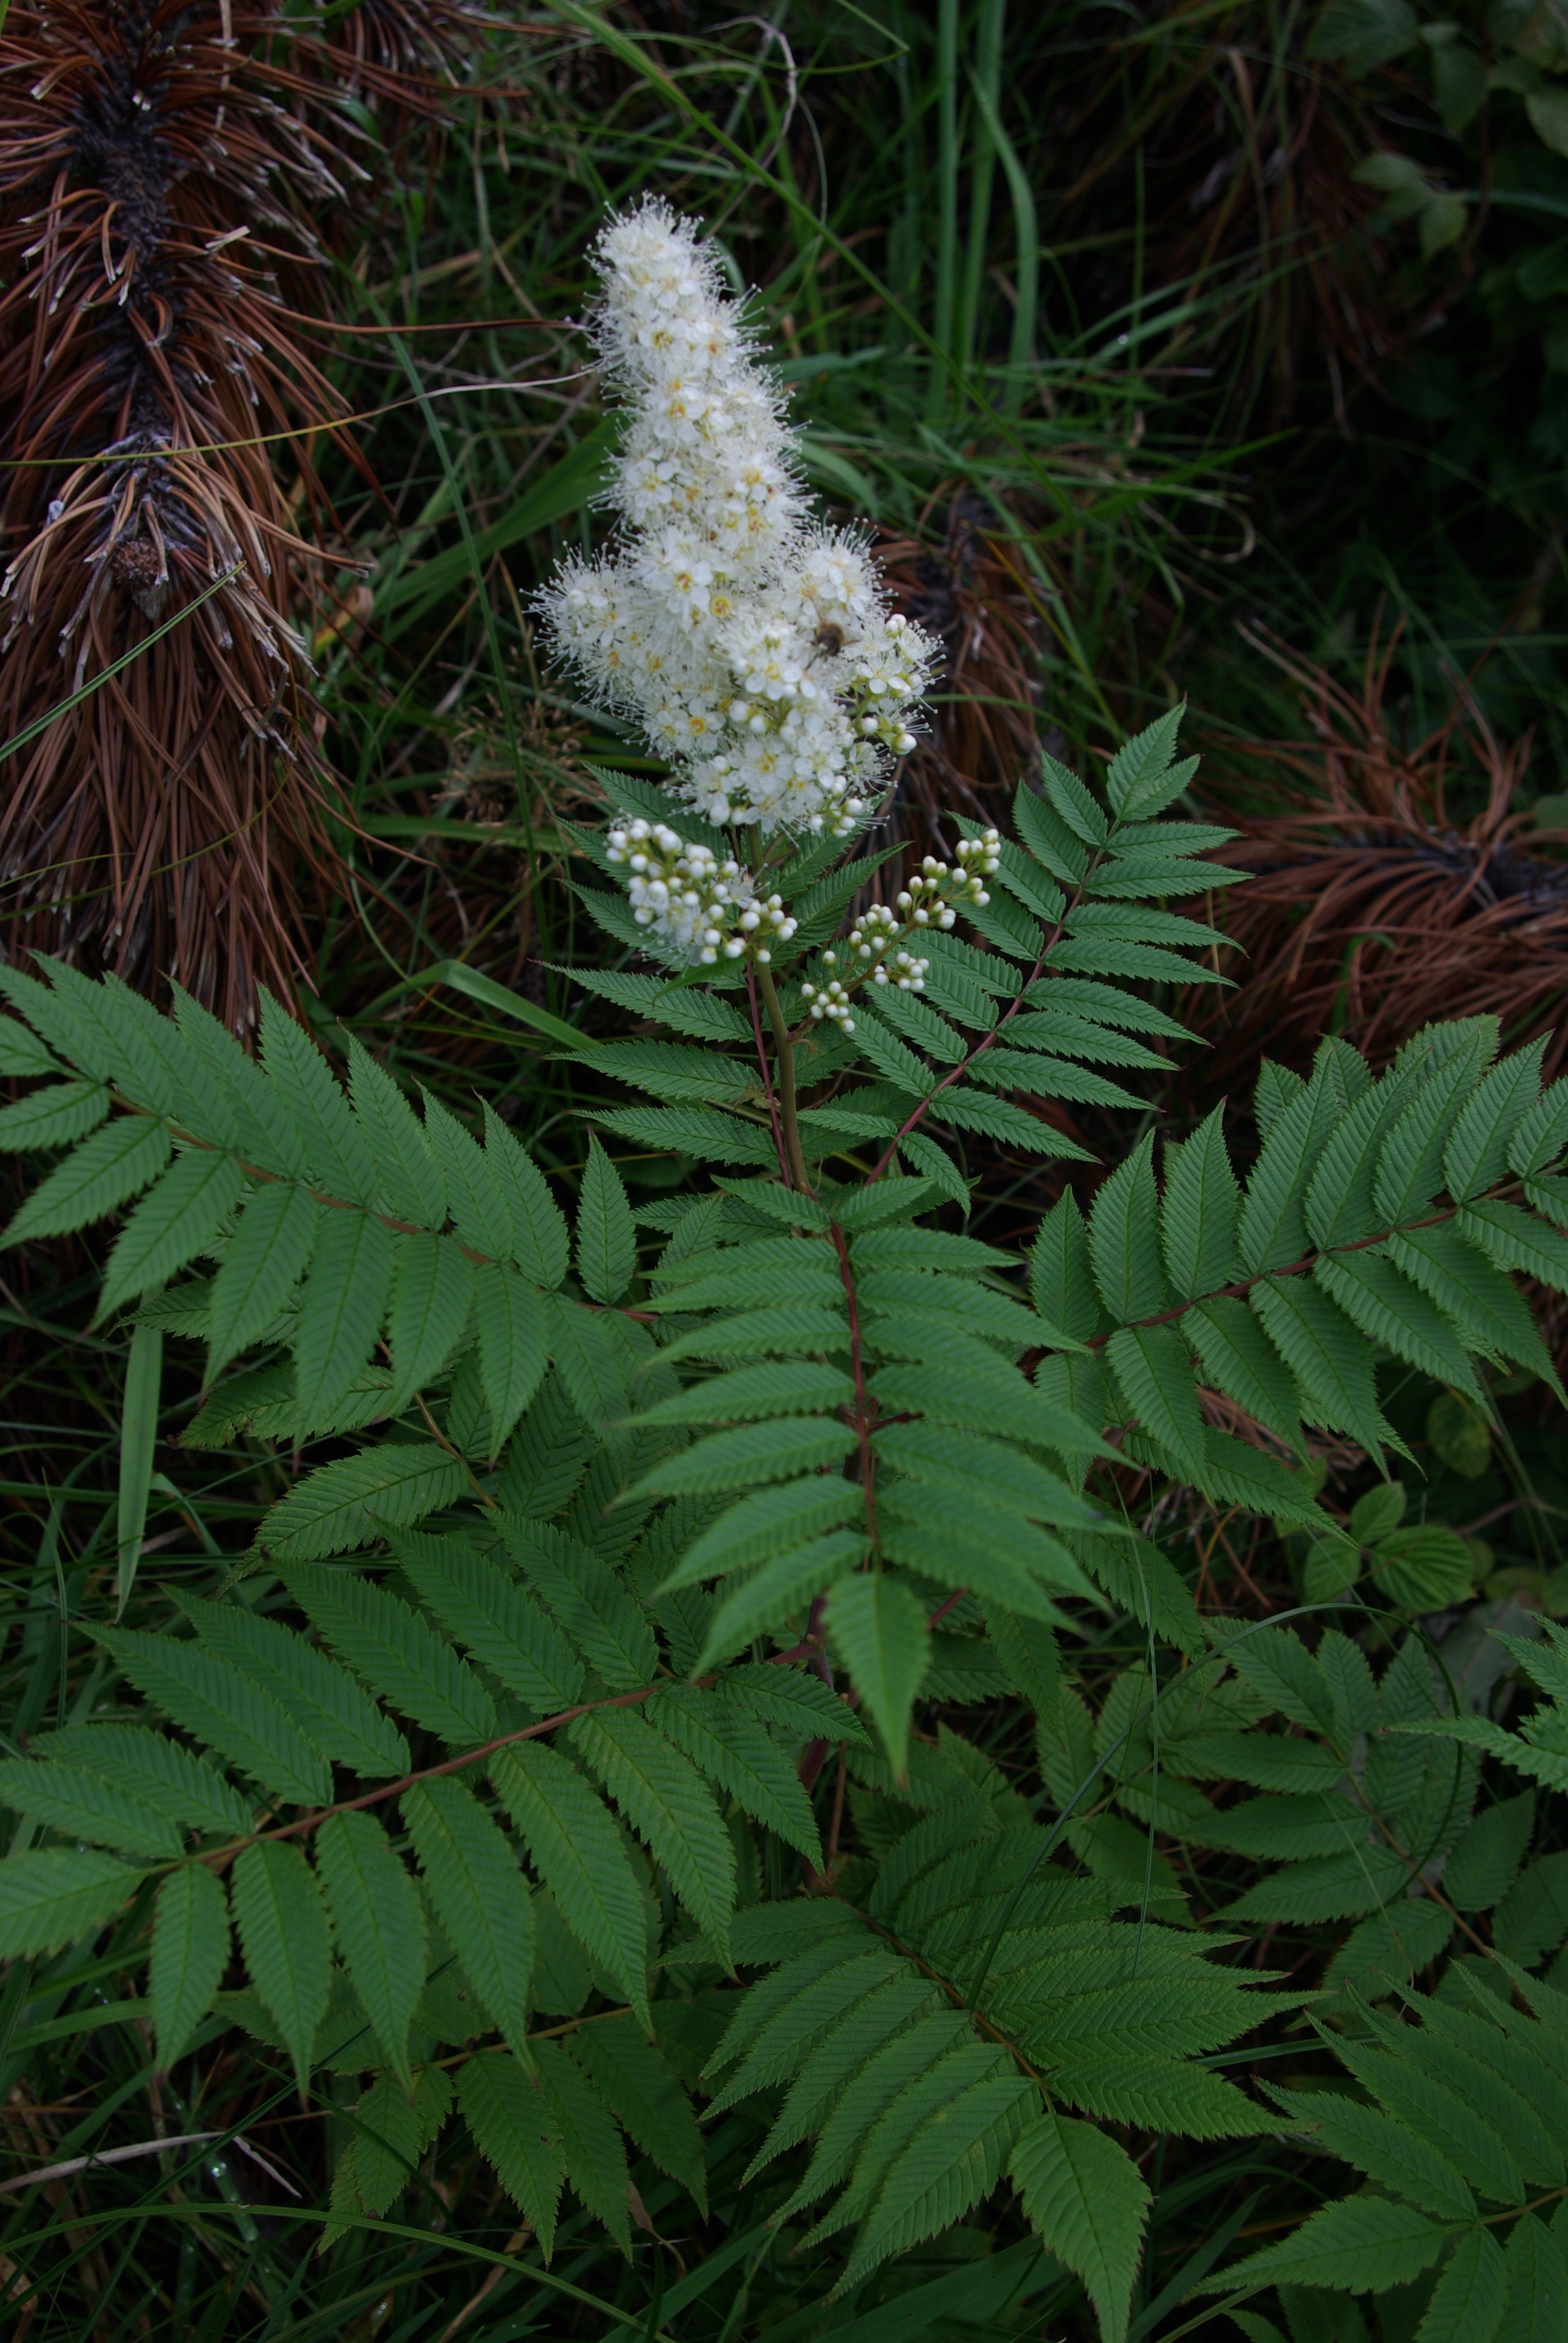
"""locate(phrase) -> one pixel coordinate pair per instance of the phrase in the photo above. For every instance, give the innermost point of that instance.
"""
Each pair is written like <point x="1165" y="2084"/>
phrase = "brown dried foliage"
<point x="1373" y="907"/>
<point x="164" y="173"/>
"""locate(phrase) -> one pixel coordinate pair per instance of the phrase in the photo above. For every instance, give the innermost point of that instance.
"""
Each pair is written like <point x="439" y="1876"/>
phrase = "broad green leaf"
<point x="51" y="1896"/>
<point x="1073" y="802"/>
<point x="412" y="1186"/>
<point x="878" y="1625"/>
<point x="1468" y="2300"/>
<point x="771" y="1523"/>
<point x="475" y="1197"/>
<point x="432" y="1292"/>
<point x="337" y="1507"/>
<point x="998" y="1474"/>
<point x="1476" y="1156"/>
<point x="53" y="1117"/>
<point x="948" y="2163"/>
<point x="116" y="1163"/>
<point x="340" y="1309"/>
<point x="577" y="1853"/>
<point x="748" y="1394"/>
<point x="1424" y="1568"/>
<point x="173" y="1222"/>
<point x="607" y="1241"/>
<point x="1062" y="1283"/>
<point x="1537" y="2280"/>
<point x="706" y="1132"/>
<point x="138" y="1443"/>
<point x="539" y="1239"/>
<point x="670" y="1807"/>
<point x="331" y="1709"/>
<point x="591" y="1366"/>
<point x="1272" y="1230"/>
<point x="1087" y="2201"/>
<point x="1140" y="783"/>
<point x="340" y="1159"/>
<point x="479" y="1896"/>
<point x="1199" y="1213"/>
<point x="633" y="2078"/>
<point x="394" y="1649"/>
<point x="190" y="1953"/>
<point x="1383" y="1303"/>
<point x="735" y="1751"/>
<point x="592" y="1603"/>
<point x="591" y="2143"/>
<point x="1360" y="2245"/>
<point x="172" y="1780"/>
<point x="1328" y="1357"/>
<point x="1240" y="1360"/>
<point x="751" y="1453"/>
<point x="515" y="2128"/>
<point x="379" y="1925"/>
<point x="782" y="1589"/>
<point x="1410" y="1164"/>
<point x="1540" y="1137"/>
<point x="1516" y="1240"/>
<point x="221" y="1705"/>
<point x="267" y="1254"/>
<point x="285" y="1936"/>
<point x="488" y="1610"/>
<point x="1483" y="1304"/>
<point x="511" y="1319"/>
<point x="72" y="1799"/>
<point x="1124" y="1240"/>
<point x="1153" y="1370"/>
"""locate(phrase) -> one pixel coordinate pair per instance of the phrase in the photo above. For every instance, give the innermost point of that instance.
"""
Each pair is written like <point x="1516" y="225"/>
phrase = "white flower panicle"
<point x="754" y="647"/>
<point x="699" y="909"/>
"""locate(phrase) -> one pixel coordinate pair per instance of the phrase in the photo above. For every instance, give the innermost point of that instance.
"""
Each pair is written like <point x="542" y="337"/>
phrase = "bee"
<point x="829" y="638"/>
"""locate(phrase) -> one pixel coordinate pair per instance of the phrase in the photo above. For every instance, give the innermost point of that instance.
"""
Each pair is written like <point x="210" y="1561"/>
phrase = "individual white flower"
<point x="754" y="649"/>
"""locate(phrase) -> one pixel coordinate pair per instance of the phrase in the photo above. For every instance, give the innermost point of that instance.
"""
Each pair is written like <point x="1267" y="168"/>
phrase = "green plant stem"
<point x="784" y="1053"/>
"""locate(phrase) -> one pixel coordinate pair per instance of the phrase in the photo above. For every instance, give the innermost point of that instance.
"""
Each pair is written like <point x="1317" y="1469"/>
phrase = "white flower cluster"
<point x="755" y="649"/>
<point x="696" y="906"/>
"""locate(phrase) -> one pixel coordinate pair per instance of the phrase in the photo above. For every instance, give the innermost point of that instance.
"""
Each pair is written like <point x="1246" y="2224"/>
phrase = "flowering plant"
<point x="659" y="1549"/>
